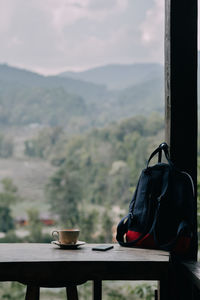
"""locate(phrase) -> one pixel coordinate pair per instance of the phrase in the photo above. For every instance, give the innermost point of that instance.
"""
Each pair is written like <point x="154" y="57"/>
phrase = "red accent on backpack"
<point x="181" y="247"/>
<point x="146" y="242"/>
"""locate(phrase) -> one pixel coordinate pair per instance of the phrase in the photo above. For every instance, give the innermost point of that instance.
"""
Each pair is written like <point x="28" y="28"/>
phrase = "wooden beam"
<point x="181" y="89"/>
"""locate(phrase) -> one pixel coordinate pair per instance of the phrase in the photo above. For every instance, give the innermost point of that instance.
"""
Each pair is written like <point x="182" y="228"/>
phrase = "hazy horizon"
<point x="51" y="37"/>
<point x="77" y="70"/>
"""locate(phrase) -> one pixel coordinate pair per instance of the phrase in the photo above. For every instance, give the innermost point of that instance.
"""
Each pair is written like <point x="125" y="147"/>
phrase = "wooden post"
<point x="181" y="90"/>
<point x="97" y="290"/>
<point x="32" y="293"/>
<point x="72" y="293"/>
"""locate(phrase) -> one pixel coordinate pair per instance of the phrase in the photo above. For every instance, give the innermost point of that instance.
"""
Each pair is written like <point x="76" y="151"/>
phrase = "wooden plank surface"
<point x="48" y="252"/>
<point x="36" y="263"/>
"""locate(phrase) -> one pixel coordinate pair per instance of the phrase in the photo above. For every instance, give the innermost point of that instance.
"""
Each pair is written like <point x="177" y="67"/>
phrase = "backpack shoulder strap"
<point x="122" y="228"/>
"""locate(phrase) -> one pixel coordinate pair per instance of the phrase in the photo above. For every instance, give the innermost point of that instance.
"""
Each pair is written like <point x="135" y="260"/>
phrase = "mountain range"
<point x="118" y="76"/>
<point x="79" y="101"/>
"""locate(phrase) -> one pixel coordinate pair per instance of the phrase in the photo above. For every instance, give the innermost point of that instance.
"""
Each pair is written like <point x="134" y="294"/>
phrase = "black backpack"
<point x="161" y="211"/>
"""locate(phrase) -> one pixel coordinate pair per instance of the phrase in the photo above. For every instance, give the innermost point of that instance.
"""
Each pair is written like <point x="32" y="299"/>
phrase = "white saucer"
<point x="68" y="246"/>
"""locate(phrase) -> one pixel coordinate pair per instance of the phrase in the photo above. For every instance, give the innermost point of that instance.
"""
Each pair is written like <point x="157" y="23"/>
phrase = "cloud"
<point x="153" y="26"/>
<point x="50" y="36"/>
<point x="55" y="35"/>
<point x="152" y="29"/>
<point x="5" y="17"/>
<point x="67" y="12"/>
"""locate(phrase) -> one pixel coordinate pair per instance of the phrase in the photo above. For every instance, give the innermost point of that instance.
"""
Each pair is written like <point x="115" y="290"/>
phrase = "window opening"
<point x="81" y="109"/>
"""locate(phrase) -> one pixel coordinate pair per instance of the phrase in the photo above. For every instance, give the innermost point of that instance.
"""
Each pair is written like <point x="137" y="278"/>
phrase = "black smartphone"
<point x="102" y="247"/>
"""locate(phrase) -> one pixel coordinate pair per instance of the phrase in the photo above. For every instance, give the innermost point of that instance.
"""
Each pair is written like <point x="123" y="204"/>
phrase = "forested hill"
<point x="130" y="140"/>
<point x="102" y="167"/>
<point x="18" y="77"/>
<point x="119" y="76"/>
<point x="27" y="97"/>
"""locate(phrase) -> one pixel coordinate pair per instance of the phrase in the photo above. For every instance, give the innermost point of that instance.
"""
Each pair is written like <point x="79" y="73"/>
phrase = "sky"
<point x="51" y="36"/>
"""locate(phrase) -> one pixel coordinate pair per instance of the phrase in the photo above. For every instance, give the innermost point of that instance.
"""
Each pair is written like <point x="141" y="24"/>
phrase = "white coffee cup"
<point x="66" y="236"/>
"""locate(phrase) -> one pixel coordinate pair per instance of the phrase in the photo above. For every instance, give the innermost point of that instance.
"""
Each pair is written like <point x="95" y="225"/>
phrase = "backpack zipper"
<point x="131" y="214"/>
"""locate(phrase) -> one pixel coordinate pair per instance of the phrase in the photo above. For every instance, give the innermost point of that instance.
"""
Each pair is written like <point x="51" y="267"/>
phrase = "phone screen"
<point x="102" y="247"/>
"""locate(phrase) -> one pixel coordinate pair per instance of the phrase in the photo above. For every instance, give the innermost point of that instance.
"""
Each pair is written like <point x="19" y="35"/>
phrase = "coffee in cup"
<point x="66" y="236"/>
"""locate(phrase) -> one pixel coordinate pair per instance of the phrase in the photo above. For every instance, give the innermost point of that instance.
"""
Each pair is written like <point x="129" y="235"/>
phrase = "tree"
<point x="64" y="196"/>
<point x="12" y="291"/>
<point x="89" y="222"/>
<point x="43" y="145"/>
<point x="6" y="147"/>
<point x="34" y="226"/>
<point x="8" y="197"/>
<point x="6" y="220"/>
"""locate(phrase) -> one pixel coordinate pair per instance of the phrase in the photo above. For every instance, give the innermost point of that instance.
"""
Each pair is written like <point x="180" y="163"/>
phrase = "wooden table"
<point x="37" y="264"/>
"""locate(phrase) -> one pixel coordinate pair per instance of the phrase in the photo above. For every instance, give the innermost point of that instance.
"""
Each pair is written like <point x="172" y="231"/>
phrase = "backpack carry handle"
<point x="162" y="147"/>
